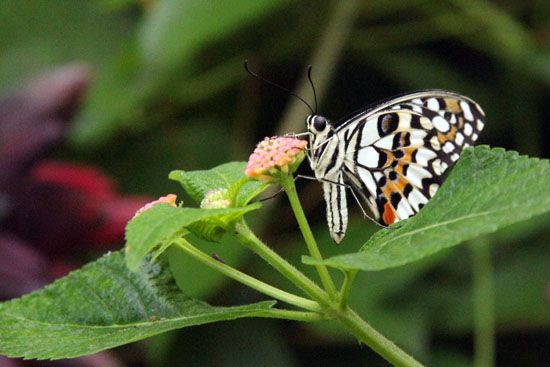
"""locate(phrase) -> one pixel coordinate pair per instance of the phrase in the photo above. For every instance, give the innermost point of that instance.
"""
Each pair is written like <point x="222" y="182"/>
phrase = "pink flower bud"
<point x="275" y="156"/>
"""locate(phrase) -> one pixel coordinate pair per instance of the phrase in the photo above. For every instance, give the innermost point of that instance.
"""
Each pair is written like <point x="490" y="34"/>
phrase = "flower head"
<point x="216" y="199"/>
<point x="274" y="156"/>
<point x="168" y="199"/>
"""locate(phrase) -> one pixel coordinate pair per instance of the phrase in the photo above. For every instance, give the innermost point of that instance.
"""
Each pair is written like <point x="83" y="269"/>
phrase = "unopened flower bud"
<point x="216" y="199"/>
<point x="275" y="156"/>
<point x="168" y="199"/>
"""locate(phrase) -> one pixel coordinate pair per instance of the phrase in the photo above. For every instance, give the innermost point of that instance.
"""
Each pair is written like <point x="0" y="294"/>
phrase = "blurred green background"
<point x="169" y="92"/>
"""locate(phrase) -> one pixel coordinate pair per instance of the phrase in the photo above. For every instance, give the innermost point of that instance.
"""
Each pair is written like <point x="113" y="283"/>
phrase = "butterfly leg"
<point x="365" y="214"/>
<point x="363" y="209"/>
<point x="297" y="135"/>
<point x="279" y="191"/>
<point x="272" y="196"/>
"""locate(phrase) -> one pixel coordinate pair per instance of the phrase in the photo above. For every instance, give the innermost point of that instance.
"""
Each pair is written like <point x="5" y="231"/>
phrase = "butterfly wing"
<point x="396" y="153"/>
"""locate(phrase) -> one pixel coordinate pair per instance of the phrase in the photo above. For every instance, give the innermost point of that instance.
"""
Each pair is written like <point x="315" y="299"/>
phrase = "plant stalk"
<point x="376" y="341"/>
<point x="277" y="313"/>
<point x="290" y="188"/>
<point x="346" y="288"/>
<point x="245" y="235"/>
<point x="483" y="303"/>
<point x="246" y="279"/>
<point x="338" y="307"/>
<point x="325" y="308"/>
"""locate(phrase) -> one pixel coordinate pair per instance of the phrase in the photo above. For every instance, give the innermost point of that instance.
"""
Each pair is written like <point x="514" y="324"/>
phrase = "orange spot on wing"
<point x="389" y="214"/>
<point x="452" y="105"/>
<point x="401" y="183"/>
<point x="408" y="154"/>
<point x="451" y="135"/>
<point x="387" y="190"/>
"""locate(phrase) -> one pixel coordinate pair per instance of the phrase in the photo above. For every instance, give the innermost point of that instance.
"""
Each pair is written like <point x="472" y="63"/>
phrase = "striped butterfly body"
<point x="393" y="155"/>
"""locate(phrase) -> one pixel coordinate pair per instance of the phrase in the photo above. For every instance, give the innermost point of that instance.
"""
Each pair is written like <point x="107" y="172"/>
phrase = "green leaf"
<point x="101" y="306"/>
<point x="248" y="190"/>
<point x="163" y="222"/>
<point x="488" y="189"/>
<point x="228" y="176"/>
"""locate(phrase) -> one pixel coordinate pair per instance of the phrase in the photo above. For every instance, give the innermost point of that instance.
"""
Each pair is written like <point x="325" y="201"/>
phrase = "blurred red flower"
<point x="52" y="214"/>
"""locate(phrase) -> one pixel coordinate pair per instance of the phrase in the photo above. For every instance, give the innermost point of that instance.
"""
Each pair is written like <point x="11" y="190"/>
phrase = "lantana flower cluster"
<point x="275" y="156"/>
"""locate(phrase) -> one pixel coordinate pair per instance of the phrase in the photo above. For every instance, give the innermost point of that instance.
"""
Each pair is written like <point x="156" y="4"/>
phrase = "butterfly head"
<point x="318" y="125"/>
<point x="320" y="130"/>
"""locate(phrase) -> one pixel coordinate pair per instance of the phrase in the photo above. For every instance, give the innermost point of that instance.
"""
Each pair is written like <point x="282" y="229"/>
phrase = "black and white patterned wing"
<point x="397" y="152"/>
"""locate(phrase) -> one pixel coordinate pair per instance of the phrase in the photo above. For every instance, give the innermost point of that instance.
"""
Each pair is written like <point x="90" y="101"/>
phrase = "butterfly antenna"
<point x="277" y="86"/>
<point x="312" y="87"/>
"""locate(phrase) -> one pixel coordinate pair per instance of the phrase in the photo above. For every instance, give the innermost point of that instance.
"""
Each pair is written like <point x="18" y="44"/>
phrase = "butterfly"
<point x="392" y="155"/>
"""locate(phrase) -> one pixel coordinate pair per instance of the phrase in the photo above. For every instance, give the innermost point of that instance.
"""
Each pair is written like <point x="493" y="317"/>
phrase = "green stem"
<point x="249" y="239"/>
<point x="376" y="341"/>
<point x="325" y="308"/>
<point x="483" y="299"/>
<point x="349" y="319"/>
<point x="277" y="313"/>
<point x="346" y="288"/>
<point x="246" y="279"/>
<point x="290" y="188"/>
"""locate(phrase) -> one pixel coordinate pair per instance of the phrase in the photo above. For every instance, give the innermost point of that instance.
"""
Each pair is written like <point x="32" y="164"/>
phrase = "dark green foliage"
<point x="169" y="93"/>
<point x="488" y="189"/>
<point x="101" y="306"/>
